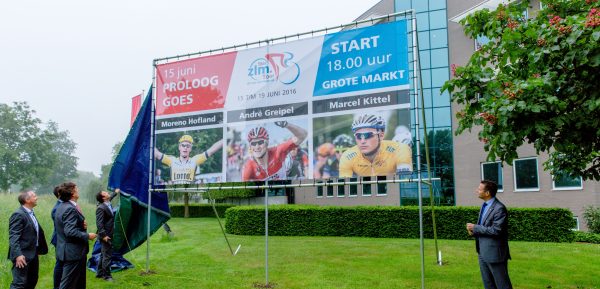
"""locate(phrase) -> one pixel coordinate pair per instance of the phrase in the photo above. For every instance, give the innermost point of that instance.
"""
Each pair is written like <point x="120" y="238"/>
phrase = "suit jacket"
<point x="491" y="237"/>
<point x="53" y="216"/>
<point x="23" y="237"/>
<point x="71" y="237"/>
<point x="105" y="221"/>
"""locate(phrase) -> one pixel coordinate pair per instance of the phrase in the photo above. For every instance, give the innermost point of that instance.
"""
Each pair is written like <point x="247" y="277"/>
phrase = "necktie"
<point x="481" y="214"/>
<point x="35" y="224"/>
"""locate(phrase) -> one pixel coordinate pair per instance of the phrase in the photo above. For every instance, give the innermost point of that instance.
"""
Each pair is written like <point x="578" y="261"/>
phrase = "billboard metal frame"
<point x="410" y="16"/>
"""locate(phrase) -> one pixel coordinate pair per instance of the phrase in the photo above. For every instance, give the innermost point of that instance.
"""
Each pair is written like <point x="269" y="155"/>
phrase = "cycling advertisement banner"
<point x="331" y="106"/>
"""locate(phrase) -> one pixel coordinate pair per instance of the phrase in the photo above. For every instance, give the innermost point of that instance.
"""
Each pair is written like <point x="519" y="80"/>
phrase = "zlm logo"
<point x="274" y="67"/>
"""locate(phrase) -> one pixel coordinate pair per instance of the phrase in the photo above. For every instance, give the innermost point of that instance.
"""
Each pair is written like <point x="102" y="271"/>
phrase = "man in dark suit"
<point x="105" y="222"/>
<point x="71" y="238"/>
<point x="491" y="238"/>
<point x="26" y="242"/>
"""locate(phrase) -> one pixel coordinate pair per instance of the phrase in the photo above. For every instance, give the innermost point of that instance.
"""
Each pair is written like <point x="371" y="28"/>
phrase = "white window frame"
<point x="537" y="171"/>
<point x="322" y="191"/>
<point x="362" y="186"/>
<point x="358" y="189"/>
<point x="326" y="189"/>
<point x="576" y="224"/>
<point x="377" y="186"/>
<point x="501" y="172"/>
<point x="337" y="189"/>
<point x="578" y="188"/>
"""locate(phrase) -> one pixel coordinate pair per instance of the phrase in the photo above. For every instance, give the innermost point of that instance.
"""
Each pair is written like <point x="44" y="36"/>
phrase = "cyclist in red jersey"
<point x="267" y="163"/>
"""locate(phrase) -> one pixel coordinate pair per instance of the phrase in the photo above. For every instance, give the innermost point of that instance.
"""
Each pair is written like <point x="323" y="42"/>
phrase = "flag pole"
<point x="151" y="166"/>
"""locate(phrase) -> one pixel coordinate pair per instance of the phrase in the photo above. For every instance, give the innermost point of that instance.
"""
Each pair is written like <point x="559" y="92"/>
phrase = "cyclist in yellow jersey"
<point x="183" y="168"/>
<point x="373" y="156"/>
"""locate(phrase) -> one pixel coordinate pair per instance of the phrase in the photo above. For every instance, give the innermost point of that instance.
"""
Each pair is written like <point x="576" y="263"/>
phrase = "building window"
<point x="480" y="41"/>
<point x="341" y="189"/>
<point x="576" y="228"/>
<point x="329" y="188"/>
<point x="526" y="174"/>
<point x="381" y="187"/>
<point x="437" y="19"/>
<point x="319" y="190"/>
<point x="525" y="15"/>
<point x="353" y="188"/>
<point x="566" y="182"/>
<point x="366" y="188"/>
<point x="493" y="172"/>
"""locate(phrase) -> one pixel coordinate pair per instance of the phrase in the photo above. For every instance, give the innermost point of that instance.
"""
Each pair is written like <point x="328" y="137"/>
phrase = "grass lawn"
<point x="198" y="257"/>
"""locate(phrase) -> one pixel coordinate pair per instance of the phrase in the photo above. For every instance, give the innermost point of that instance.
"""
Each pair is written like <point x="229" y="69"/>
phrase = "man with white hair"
<point x="26" y="242"/>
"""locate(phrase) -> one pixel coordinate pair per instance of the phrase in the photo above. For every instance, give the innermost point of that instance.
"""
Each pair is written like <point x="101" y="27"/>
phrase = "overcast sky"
<point x="79" y="63"/>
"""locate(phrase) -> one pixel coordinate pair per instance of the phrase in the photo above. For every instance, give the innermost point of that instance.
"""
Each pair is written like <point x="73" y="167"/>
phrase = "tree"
<point x="107" y="167"/>
<point x="63" y="148"/>
<point x="537" y="81"/>
<point x="89" y="184"/>
<point x="29" y="154"/>
<point x="92" y="188"/>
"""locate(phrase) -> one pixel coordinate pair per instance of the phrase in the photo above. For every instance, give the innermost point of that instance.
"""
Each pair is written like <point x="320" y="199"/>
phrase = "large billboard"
<point x="336" y="105"/>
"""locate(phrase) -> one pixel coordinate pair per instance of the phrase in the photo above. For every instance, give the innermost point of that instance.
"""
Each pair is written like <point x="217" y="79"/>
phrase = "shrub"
<point x="199" y="210"/>
<point x="544" y="225"/>
<point x="587" y="237"/>
<point x="591" y="215"/>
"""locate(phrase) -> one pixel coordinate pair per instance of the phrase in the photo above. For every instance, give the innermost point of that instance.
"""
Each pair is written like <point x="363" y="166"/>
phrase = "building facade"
<point x="459" y="161"/>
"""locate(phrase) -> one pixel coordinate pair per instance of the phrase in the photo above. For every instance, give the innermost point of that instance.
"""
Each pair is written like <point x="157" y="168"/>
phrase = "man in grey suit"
<point x="491" y="238"/>
<point x="71" y="238"/>
<point x="26" y="242"/>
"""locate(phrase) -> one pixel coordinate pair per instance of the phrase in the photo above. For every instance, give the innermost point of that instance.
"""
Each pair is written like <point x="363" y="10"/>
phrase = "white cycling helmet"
<point x="368" y="121"/>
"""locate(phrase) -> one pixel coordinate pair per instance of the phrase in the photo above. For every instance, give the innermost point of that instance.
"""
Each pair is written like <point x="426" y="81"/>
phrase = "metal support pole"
<point x="415" y="51"/>
<point x="148" y="233"/>
<point x="267" y="234"/>
<point x="200" y="189"/>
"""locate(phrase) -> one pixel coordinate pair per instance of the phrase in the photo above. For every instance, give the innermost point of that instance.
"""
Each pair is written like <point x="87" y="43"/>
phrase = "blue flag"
<point x="130" y="174"/>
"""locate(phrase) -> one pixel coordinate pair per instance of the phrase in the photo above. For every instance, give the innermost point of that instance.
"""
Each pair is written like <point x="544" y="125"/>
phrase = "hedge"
<point x="542" y="225"/>
<point x="199" y="210"/>
<point x="587" y="237"/>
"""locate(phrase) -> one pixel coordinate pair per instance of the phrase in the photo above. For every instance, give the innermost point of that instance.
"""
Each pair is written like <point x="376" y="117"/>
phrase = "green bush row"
<point x="543" y="225"/>
<point x="199" y="210"/>
<point x="587" y="237"/>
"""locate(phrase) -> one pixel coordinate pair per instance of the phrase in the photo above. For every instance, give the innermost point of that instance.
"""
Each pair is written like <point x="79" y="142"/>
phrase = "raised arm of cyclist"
<point x="299" y="133"/>
<point x="214" y="148"/>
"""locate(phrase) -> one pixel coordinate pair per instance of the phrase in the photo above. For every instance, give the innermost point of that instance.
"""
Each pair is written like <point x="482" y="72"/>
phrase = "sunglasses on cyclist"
<point x="257" y="143"/>
<point x="364" y="135"/>
<point x="186" y="145"/>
